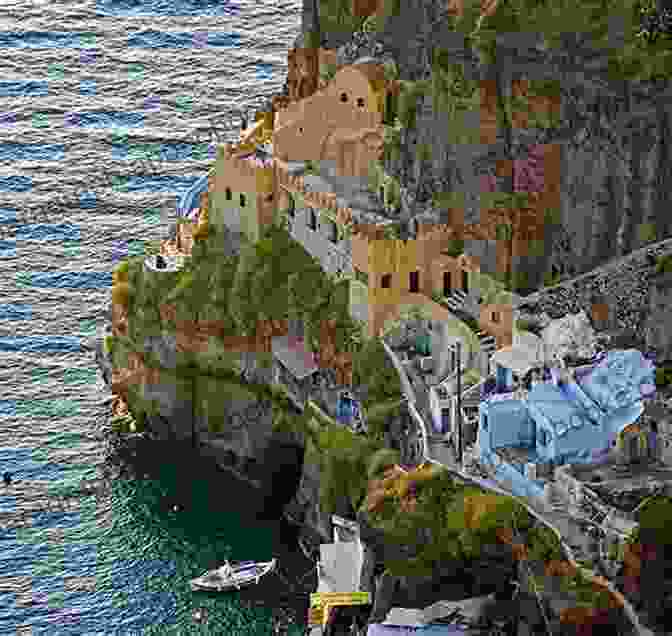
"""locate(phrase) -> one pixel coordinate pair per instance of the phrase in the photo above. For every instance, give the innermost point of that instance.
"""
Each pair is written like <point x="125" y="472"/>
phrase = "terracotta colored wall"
<point x="503" y="330"/>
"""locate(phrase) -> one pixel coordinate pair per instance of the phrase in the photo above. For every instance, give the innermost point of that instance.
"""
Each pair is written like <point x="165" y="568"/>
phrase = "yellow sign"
<point x="339" y="598"/>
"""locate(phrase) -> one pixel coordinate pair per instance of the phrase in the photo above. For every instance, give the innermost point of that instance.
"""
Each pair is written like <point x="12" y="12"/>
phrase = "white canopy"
<point x="526" y="353"/>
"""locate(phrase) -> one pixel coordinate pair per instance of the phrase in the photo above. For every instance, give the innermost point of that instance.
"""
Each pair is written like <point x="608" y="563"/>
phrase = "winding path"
<point x="440" y="455"/>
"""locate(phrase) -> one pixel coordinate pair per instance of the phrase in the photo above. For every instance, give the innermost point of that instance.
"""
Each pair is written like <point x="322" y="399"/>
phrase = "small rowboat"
<point x="232" y="576"/>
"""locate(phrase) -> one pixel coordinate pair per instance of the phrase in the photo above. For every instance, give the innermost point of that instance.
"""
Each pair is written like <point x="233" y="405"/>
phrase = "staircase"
<point x="455" y="300"/>
<point x="488" y="342"/>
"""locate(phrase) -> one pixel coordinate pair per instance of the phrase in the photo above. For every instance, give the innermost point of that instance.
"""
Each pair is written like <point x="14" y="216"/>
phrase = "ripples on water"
<point x="88" y="91"/>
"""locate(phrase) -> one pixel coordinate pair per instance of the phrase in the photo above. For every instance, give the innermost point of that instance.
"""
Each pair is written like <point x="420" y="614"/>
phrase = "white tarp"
<point x="570" y="335"/>
<point x="341" y="566"/>
<point x="526" y="353"/>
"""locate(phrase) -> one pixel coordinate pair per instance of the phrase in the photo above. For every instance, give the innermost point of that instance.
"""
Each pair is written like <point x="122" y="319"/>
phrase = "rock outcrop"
<point x="613" y="180"/>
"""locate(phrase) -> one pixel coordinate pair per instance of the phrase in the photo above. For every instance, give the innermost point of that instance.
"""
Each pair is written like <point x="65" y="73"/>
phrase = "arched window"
<point x="360" y="102"/>
<point x="300" y="129"/>
<point x="344" y="97"/>
<point x="242" y="200"/>
<point x="228" y="194"/>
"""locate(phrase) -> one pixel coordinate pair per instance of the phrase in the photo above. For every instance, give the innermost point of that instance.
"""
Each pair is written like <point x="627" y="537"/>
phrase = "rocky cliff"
<point x="613" y="138"/>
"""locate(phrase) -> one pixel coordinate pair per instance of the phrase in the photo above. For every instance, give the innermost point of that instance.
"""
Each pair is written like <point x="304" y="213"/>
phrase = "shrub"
<point x="108" y="344"/>
<point x="121" y="294"/>
<point x="380" y="461"/>
<point x="664" y="264"/>
<point x="373" y="24"/>
<point x="551" y="279"/>
<point x="455" y="248"/>
<point x="120" y="274"/>
<point x="663" y="376"/>
<point x="327" y="72"/>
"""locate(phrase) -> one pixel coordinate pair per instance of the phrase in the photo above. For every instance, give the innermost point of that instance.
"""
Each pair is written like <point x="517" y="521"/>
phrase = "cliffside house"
<point x="257" y="182"/>
<point x="580" y="420"/>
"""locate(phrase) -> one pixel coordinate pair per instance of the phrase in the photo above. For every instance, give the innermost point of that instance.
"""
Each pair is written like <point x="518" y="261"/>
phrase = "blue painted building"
<point x="576" y="421"/>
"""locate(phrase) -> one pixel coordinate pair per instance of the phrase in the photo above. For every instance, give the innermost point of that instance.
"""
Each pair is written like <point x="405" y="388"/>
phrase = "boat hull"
<point x="244" y="575"/>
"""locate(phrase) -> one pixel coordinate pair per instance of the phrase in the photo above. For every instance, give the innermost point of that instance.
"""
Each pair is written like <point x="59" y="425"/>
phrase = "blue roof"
<point x="560" y="408"/>
<point x="611" y="394"/>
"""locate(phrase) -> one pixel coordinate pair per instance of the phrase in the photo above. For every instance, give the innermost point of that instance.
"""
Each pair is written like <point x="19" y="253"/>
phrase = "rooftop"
<point x="292" y="354"/>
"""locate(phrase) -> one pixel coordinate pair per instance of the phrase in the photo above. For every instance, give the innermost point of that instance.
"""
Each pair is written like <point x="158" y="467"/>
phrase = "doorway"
<point x="446" y="283"/>
<point x="414" y="282"/>
<point x="445" y="420"/>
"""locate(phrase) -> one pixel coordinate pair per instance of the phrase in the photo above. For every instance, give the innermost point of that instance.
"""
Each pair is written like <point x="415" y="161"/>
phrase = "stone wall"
<point x="658" y="326"/>
<point x="333" y="257"/>
<point x="622" y="284"/>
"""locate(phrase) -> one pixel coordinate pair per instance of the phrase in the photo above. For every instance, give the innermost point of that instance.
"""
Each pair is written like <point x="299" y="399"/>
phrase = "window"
<point x="300" y="129"/>
<point x="485" y="422"/>
<point x="344" y="97"/>
<point x="360" y="102"/>
<point x="228" y="194"/>
<point x="414" y="282"/>
<point x="386" y="281"/>
<point x="390" y="111"/>
<point x="381" y="192"/>
<point x="333" y="233"/>
<point x="544" y="437"/>
<point x="242" y="200"/>
<point x="312" y="219"/>
<point x="495" y="316"/>
<point x="269" y="197"/>
<point x="446" y="283"/>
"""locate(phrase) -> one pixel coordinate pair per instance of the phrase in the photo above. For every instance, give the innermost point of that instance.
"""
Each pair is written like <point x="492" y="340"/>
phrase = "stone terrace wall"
<point x="622" y="284"/>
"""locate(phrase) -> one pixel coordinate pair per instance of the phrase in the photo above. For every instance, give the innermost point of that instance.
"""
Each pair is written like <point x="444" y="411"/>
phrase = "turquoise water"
<point x="119" y="561"/>
<point x="108" y="111"/>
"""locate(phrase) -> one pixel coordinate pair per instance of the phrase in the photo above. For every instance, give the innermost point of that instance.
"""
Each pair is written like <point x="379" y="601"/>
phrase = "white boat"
<point x="232" y="576"/>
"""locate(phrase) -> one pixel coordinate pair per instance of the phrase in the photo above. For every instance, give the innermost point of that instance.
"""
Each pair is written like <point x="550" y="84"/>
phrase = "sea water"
<point x="109" y="110"/>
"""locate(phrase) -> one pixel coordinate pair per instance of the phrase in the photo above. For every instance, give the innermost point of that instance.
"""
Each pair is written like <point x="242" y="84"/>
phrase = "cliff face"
<point x="615" y="168"/>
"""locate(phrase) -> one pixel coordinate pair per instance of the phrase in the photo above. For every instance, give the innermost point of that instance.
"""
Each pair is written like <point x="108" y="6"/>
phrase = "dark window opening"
<point x="485" y="422"/>
<point x="344" y="97"/>
<point x="386" y="281"/>
<point x="390" y="113"/>
<point x="242" y="200"/>
<point x="360" y="102"/>
<point x="446" y="283"/>
<point x="465" y="281"/>
<point x="381" y="191"/>
<point x="334" y="233"/>
<point x="495" y="316"/>
<point x="312" y="219"/>
<point x="269" y="197"/>
<point x="228" y="194"/>
<point x="301" y="129"/>
<point x="414" y="282"/>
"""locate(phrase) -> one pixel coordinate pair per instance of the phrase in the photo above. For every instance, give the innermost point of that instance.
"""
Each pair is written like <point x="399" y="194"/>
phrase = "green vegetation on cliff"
<point x="372" y="369"/>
